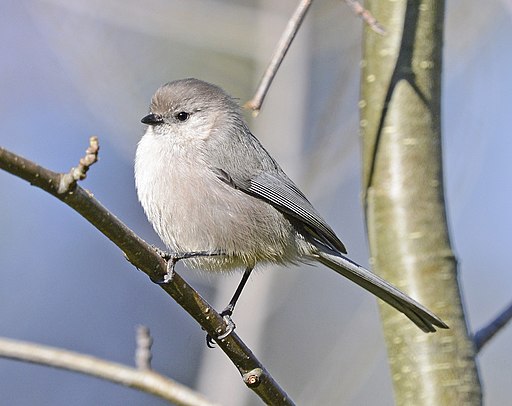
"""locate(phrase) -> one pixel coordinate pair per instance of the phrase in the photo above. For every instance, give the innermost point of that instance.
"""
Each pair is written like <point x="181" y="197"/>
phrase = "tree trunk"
<point x="404" y="202"/>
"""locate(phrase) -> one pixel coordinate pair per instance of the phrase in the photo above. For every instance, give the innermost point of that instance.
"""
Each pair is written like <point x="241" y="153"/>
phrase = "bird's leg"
<point x="228" y="310"/>
<point x="173" y="258"/>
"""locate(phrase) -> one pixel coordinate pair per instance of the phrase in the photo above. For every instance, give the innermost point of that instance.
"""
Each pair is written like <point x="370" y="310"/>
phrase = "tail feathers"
<point x="419" y="315"/>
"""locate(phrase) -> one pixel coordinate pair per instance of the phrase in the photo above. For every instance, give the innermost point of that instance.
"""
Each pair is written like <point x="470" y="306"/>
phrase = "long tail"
<point x="420" y="315"/>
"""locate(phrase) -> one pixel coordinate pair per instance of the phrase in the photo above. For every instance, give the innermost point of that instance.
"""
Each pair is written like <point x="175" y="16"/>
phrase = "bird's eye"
<point x="182" y="116"/>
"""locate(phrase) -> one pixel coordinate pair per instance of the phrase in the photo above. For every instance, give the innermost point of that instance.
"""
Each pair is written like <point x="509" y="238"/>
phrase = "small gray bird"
<point x="220" y="202"/>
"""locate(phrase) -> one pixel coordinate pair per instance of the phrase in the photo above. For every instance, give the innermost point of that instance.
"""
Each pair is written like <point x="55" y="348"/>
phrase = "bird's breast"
<point x="191" y="209"/>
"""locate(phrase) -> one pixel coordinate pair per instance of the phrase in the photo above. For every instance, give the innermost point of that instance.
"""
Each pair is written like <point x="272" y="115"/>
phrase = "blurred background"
<point x="73" y="68"/>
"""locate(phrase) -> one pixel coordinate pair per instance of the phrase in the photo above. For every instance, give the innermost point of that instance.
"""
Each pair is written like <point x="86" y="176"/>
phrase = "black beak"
<point x="152" y="119"/>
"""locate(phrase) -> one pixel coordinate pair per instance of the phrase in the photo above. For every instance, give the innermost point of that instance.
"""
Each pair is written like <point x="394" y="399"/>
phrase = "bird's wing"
<point x="279" y="191"/>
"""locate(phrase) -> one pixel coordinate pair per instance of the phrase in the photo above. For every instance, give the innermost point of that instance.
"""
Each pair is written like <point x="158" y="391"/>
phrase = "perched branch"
<point x="143" y="354"/>
<point x="147" y="381"/>
<point x="145" y="258"/>
<point x="282" y="48"/>
<point x="366" y="16"/>
<point x="484" y="335"/>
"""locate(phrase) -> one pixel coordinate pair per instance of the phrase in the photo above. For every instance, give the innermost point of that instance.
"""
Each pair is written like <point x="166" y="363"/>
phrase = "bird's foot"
<point x="173" y="258"/>
<point x="230" y="327"/>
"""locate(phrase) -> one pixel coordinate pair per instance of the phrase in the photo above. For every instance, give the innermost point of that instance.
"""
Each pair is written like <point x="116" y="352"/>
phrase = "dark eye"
<point x="182" y="116"/>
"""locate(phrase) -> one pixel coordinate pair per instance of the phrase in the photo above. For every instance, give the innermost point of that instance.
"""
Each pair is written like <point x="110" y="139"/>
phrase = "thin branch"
<point x="279" y="53"/>
<point x="145" y="258"/>
<point x="147" y="381"/>
<point x="484" y="335"/>
<point x="143" y="353"/>
<point x="68" y="180"/>
<point x="366" y="16"/>
<point x="286" y="39"/>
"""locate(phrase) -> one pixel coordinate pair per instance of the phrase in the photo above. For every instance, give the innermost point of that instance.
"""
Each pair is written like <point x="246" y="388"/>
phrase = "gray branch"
<point x="68" y="180"/>
<point x="279" y="53"/>
<point x="143" y="354"/>
<point x="484" y="335"/>
<point x="286" y="39"/>
<point x="366" y="16"/>
<point x="146" y="381"/>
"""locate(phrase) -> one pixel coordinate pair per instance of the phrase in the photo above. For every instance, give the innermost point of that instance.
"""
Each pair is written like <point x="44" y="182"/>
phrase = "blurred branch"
<point x="366" y="16"/>
<point x="143" y="354"/>
<point x="484" y="335"/>
<point x="145" y="258"/>
<point x="286" y="39"/>
<point x="279" y="53"/>
<point x="146" y="381"/>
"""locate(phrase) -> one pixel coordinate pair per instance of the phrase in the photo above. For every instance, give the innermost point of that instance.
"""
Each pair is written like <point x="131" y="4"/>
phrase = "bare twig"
<point x="145" y="258"/>
<point x="282" y="48"/>
<point x="143" y="354"/>
<point x="68" y="181"/>
<point x="285" y="41"/>
<point x="484" y="335"/>
<point x="366" y="16"/>
<point x="147" y="381"/>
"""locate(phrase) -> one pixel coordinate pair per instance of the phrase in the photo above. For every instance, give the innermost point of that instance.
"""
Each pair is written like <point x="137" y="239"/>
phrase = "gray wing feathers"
<point x="421" y="316"/>
<point x="286" y="197"/>
<point x="247" y="166"/>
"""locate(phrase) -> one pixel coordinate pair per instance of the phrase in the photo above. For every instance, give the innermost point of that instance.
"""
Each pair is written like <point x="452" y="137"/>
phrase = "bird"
<point x="220" y="202"/>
